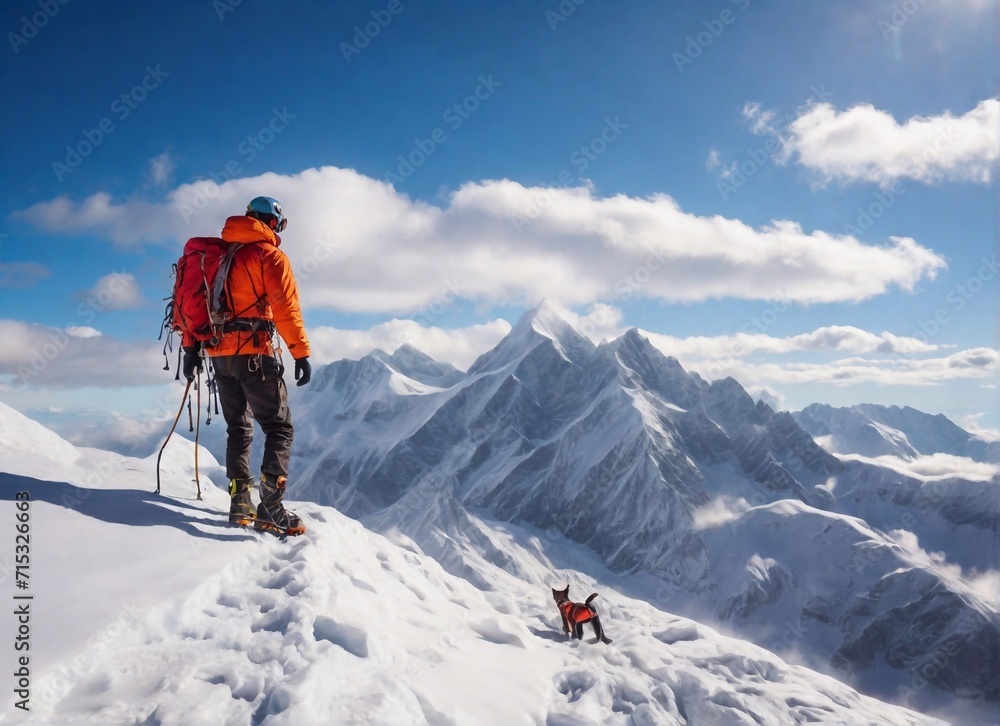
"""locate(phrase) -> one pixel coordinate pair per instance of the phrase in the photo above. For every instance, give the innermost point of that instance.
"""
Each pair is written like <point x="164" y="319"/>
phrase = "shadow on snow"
<point x="121" y="506"/>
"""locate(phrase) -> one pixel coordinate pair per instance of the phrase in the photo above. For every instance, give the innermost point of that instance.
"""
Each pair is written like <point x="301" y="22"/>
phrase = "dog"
<point x="575" y="614"/>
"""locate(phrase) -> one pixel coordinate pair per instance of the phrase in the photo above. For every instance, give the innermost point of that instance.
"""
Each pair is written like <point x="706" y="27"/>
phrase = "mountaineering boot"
<point x="240" y="506"/>
<point x="271" y="514"/>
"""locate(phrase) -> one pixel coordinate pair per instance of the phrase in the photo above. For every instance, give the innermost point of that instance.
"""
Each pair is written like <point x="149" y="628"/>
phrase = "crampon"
<point x="294" y="528"/>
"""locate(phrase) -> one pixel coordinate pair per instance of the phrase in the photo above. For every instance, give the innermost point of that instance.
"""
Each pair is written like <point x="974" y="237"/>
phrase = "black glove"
<point x="192" y="362"/>
<point x="303" y="371"/>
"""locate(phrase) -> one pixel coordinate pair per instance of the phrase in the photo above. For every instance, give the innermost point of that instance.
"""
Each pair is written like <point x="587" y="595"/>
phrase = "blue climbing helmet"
<point x="267" y="209"/>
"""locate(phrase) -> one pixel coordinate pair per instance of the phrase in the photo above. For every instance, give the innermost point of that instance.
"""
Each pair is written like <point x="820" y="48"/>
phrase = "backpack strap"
<point x="216" y="314"/>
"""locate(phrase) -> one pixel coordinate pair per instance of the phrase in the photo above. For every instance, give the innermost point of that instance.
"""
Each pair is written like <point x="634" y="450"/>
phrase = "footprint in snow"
<point x="276" y="621"/>
<point x="353" y="640"/>
<point x="492" y="632"/>
<point x="362" y="585"/>
<point x="678" y="633"/>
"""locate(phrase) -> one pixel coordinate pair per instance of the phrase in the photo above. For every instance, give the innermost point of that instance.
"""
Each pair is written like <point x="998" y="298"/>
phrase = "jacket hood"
<point x="247" y="230"/>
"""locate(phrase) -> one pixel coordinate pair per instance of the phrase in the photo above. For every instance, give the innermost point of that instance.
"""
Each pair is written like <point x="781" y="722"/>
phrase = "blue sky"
<point x="699" y="170"/>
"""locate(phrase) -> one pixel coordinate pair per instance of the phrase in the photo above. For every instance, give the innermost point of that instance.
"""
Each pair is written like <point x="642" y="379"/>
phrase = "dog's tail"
<point x="592" y="596"/>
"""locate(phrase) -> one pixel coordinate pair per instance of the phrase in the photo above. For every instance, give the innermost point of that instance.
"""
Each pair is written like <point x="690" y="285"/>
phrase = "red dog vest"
<point x="576" y="613"/>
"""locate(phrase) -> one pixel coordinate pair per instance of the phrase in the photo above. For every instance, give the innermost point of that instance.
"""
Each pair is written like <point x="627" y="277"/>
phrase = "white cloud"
<point x="967" y="364"/>
<point x="768" y="395"/>
<point x="865" y="144"/>
<point x="934" y="467"/>
<point x="364" y="247"/>
<point x="82" y="331"/>
<point x="970" y="423"/>
<point x="842" y="338"/>
<point x="160" y="169"/>
<point x="713" y="161"/>
<point x="459" y="346"/>
<point x="984" y="583"/>
<point x="19" y="275"/>
<point x="75" y="358"/>
<point x="717" y="512"/>
<point x="129" y="224"/>
<point x="759" y="120"/>
<point x="114" y="291"/>
<point x="600" y="322"/>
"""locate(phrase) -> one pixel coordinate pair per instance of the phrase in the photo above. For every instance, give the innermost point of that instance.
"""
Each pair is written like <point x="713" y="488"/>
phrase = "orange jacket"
<point x="261" y="285"/>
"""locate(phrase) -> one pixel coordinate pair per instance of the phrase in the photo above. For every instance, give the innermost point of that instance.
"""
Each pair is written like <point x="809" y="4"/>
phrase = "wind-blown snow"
<point x="934" y="467"/>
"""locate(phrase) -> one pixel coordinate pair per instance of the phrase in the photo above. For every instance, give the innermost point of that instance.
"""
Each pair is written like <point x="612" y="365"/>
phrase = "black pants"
<point x="252" y="386"/>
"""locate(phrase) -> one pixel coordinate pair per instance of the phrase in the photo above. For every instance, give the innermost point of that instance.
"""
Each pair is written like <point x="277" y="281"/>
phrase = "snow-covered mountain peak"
<point x="643" y="364"/>
<point x="417" y="365"/>
<point x="544" y="324"/>
<point x="20" y="436"/>
<point x="408" y="353"/>
<point x="547" y="319"/>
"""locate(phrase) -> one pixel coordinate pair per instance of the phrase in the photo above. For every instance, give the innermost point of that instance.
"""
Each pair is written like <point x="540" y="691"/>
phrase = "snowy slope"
<point x="151" y="610"/>
<point x="26" y="442"/>
<point x="661" y="473"/>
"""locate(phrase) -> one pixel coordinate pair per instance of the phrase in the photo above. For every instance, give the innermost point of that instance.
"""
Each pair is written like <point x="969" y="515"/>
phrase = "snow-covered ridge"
<point x="202" y="623"/>
<point x="26" y="441"/>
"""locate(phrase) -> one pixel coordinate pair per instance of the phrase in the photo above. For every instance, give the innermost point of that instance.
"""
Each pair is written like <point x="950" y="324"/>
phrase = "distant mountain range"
<point x="733" y="511"/>
<point x="872" y="430"/>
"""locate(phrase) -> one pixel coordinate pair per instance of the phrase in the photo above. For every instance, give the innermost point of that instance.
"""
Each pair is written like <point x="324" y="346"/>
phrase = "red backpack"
<point x="200" y="303"/>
